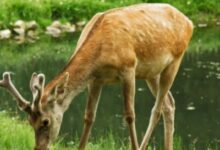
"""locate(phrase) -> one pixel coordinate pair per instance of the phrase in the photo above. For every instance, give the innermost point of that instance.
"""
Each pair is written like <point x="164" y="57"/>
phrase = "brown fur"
<point x="134" y="35"/>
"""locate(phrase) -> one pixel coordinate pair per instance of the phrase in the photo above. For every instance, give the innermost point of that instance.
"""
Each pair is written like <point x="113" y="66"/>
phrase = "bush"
<point x="44" y="11"/>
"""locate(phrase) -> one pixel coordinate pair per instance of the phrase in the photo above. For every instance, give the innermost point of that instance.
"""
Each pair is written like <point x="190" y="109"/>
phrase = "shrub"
<point x="44" y="11"/>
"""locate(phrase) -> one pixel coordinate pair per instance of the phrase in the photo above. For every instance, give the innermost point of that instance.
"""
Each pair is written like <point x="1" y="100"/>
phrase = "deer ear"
<point x="61" y="86"/>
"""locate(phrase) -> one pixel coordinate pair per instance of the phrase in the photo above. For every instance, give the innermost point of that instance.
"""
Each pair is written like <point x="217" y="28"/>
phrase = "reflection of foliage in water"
<point x="198" y="81"/>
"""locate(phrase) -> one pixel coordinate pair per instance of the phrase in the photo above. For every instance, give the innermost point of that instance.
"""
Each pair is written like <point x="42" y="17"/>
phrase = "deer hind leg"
<point x="129" y="113"/>
<point x="162" y="105"/>
<point x="90" y="112"/>
<point x="168" y="119"/>
<point x="168" y="110"/>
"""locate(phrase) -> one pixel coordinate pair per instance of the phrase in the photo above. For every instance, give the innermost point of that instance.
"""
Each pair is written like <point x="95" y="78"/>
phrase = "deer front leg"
<point x="129" y="93"/>
<point x="168" y="119"/>
<point x="90" y="112"/>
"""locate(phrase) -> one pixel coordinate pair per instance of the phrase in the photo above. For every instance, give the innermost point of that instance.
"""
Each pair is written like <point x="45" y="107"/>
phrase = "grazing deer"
<point x="144" y="41"/>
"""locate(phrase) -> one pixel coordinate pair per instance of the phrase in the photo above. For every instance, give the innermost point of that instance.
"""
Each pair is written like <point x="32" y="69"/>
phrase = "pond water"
<point x="196" y="93"/>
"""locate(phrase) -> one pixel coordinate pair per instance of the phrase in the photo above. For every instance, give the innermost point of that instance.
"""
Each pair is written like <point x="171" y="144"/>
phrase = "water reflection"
<point x="199" y="86"/>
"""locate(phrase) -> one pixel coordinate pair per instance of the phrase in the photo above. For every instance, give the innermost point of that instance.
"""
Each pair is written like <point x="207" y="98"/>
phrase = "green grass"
<point x="15" y="134"/>
<point x="18" y="135"/>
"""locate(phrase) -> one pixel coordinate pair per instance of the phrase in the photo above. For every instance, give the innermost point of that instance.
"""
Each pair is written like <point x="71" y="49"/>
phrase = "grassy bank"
<point x="44" y="11"/>
<point x="18" y="135"/>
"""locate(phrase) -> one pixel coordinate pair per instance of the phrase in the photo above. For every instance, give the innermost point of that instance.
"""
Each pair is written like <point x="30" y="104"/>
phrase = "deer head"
<point x="45" y="113"/>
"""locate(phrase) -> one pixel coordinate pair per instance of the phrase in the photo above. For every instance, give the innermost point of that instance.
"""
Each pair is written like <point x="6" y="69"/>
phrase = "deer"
<point x="120" y="45"/>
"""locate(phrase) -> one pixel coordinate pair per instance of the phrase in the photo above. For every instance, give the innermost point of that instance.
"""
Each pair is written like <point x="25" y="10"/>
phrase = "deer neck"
<point x="80" y="69"/>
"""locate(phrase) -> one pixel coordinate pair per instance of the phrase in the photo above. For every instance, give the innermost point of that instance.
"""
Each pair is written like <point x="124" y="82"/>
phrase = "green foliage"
<point x="44" y="11"/>
<point x="12" y="10"/>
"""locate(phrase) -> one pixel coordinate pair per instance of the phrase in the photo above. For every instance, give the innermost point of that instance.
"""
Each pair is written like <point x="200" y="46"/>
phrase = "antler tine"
<point x="7" y="84"/>
<point x="33" y="82"/>
<point x="37" y="87"/>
